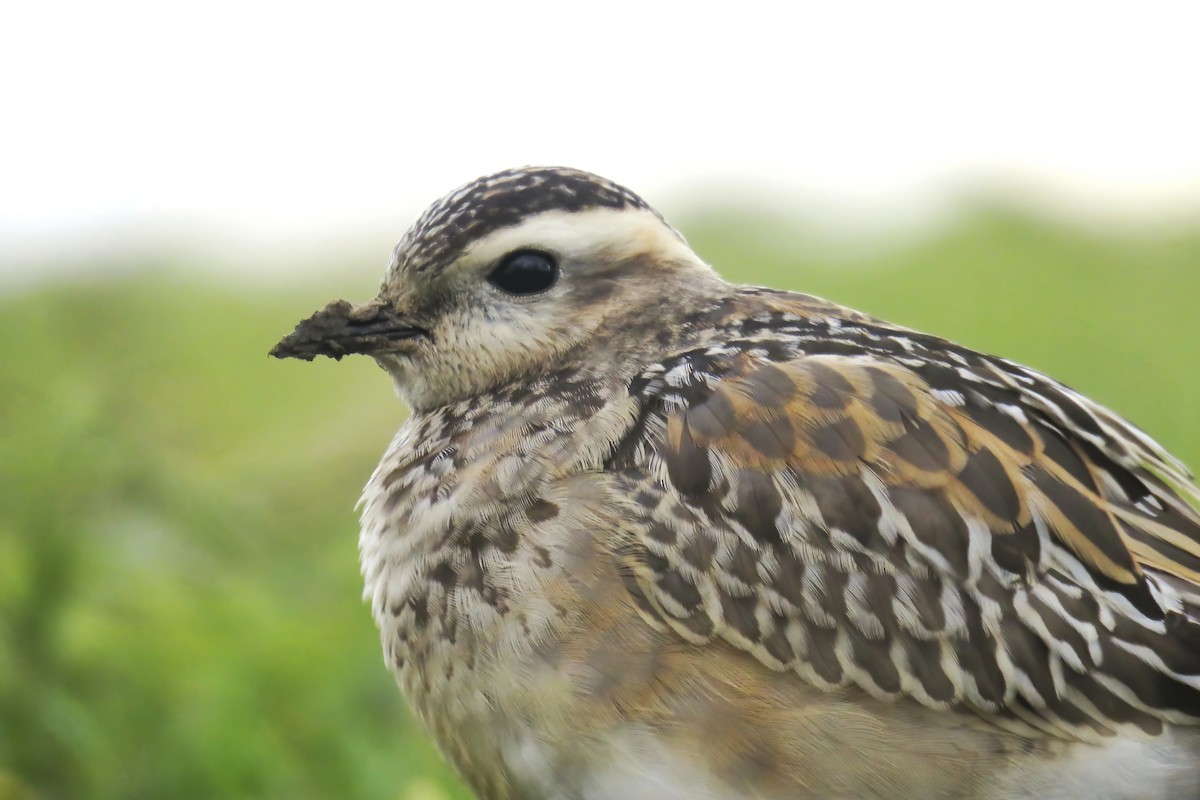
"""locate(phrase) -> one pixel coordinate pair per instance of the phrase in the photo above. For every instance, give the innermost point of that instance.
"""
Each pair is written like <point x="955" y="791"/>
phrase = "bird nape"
<point x="650" y="534"/>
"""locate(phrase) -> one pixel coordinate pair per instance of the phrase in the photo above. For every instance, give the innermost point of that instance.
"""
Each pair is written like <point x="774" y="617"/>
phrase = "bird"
<point x="648" y="533"/>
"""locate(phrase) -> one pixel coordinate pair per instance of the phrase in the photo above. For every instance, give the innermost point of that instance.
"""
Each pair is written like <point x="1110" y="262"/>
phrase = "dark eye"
<point x="525" y="272"/>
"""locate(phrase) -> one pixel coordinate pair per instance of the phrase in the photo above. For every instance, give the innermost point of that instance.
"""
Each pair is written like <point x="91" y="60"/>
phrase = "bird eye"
<point x="525" y="272"/>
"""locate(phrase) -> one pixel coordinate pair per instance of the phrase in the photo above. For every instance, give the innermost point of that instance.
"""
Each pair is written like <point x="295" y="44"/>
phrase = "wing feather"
<point x="917" y="520"/>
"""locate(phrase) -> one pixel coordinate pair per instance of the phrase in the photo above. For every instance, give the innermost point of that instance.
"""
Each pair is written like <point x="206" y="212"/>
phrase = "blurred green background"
<point x="180" y="610"/>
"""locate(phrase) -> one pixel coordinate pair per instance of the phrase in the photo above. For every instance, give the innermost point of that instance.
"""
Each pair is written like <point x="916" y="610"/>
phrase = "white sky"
<point x="268" y="122"/>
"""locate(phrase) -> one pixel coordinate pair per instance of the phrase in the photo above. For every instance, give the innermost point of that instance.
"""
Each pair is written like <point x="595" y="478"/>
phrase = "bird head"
<point x="504" y="276"/>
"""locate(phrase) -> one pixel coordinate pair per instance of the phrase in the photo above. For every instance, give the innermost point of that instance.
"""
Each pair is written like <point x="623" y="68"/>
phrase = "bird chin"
<point x="400" y="367"/>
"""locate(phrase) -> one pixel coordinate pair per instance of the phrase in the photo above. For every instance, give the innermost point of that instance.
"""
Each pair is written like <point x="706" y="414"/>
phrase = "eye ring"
<point x="525" y="272"/>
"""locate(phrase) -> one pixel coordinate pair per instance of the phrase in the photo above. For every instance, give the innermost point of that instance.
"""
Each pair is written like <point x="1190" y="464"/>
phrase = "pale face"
<point x="504" y="277"/>
<point x="519" y="297"/>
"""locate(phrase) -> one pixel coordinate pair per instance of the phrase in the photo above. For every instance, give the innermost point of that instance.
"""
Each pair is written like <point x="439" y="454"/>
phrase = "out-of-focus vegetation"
<point x="179" y="590"/>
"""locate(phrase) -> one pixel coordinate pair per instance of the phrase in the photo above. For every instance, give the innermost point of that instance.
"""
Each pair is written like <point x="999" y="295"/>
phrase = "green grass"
<point x="179" y="589"/>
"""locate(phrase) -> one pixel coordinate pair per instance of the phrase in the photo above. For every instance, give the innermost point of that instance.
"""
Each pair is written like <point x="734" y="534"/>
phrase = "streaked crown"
<point x="502" y="200"/>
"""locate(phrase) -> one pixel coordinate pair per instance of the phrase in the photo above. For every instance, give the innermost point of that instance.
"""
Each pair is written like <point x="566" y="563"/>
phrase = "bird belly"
<point x="1164" y="768"/>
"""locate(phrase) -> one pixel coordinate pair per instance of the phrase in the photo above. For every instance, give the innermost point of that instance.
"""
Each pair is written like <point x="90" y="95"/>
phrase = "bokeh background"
<point x="179" y="184"/>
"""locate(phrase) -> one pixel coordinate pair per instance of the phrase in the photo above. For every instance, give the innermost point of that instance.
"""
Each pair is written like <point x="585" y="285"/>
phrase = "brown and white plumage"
<point x="649" y="534"/>
<point x="883" y="508"/>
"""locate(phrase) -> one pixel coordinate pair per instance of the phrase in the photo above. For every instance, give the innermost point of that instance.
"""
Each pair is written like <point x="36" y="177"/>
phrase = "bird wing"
<point x="867" y="505"/>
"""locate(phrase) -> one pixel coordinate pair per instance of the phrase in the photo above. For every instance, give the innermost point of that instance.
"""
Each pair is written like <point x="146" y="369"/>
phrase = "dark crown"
<point x="499" y="201"/>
